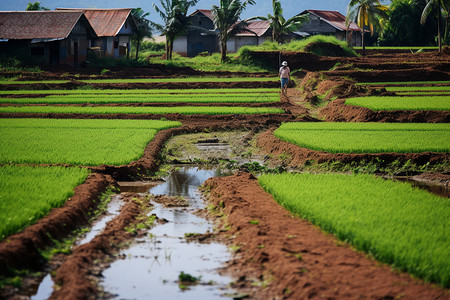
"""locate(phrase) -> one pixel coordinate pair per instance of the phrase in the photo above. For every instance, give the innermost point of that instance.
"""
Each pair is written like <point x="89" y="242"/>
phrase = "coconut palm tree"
<point x="280" y="26"/>
<point x="226" y="17"/>
<point x="366" y="14"/>
<point x="142" y="27"/>
<point x="174" y="15"/>
<point x="442" y="5"/>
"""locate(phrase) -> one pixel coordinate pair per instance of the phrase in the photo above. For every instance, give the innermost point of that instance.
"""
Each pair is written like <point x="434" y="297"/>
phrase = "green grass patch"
<point x="378" y="103"/>
<point x="185" y="110"/>
<point x="183" y="79"/>
<point x="132" y="98"/>
<point x="418" y="89"/>
<point x="76" y="142"/>
<point x="394" y="222"/>
<point x="424" y="93"/>
<point x="142" y="91"/>
<point x="367" y="137"/>
<point x="402" y="83"/>
<point x="29" y="193"/>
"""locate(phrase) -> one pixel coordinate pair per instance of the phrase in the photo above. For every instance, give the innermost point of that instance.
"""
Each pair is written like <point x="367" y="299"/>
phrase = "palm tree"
<point x="174" y="15"/>
<point x="226" y="17"/>
<point x="280" y="26"/>
<point x="366" y="13"/>
<point x="142" y="27"/>
<point x="442" y="4"/>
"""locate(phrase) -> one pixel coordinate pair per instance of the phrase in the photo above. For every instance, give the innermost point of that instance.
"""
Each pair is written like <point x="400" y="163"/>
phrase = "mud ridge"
<point x="299" y="156"/>
<point x="338" y="111"/>
<point x="22" y="250"/>
<point x="292" y="259"/>
<point x="74" y="277"/>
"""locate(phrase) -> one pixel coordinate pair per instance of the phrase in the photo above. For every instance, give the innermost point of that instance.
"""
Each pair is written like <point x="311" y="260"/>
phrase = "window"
<point x="200" y="22"/>
<point x="116" y="44"/>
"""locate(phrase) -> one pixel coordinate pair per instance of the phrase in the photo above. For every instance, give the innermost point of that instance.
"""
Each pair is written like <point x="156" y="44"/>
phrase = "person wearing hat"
<point x="285" y="76"/>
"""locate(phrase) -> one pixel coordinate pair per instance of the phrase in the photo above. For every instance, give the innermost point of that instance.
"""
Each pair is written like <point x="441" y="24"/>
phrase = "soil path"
<point x="292" y="259"/>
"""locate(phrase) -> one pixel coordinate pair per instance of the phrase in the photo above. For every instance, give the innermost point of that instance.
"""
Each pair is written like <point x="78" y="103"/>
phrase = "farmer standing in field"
<point x="285" y="76"/>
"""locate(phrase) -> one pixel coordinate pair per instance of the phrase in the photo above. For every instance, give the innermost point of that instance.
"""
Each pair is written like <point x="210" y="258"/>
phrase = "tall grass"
<point x="134" y="98"/>
<point x="185" y="110"/>
<point x="377" y="103"/>
<point x="29" y="193"/>
<point x="76" y="142"/>
<point x="367" y="137"/>
<point x="394" y="222"/>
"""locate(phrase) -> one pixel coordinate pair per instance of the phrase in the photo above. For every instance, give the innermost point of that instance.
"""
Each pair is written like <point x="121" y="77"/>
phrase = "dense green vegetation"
<point x="29" y="193"/>
<point x="185" y="110"/>
<point x="77" y="142"/>
<point x="403" y="83"/>
<point x="303" y="45"/>
<point x="182" y="79"/>
<point x="402" y="103"/>
<point x="417" y="88"/>
<point x="142" y="91"/>
<point x="367" y="137"/>
<point x="134" y="98"/>
<point x="394" y="222"/>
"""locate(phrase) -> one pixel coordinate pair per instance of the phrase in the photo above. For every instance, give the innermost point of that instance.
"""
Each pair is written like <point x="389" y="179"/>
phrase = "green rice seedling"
<point x="131" y="98"/>
<point x="184" y="79"/>
<point x="142" y="91"/>
<point x="185" y="110"/>
<point x="418" y="88"/>
<point x="376" y="103"/>
<point x="367" y="137"/>
<point x="396" y="223"/>
<point x="402" y="83"/>
<point x="76" y="142"/>
<point x="29" y="193"/>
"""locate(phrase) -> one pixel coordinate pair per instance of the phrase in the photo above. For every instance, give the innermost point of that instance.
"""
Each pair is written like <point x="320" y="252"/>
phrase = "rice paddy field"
<point x="89" y="129"/>
<point x="367" y="137"/>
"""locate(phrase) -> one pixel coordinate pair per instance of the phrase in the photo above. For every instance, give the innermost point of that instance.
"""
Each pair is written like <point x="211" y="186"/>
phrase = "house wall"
<point x="316" y="26"/>
<point x="236" y="42"/>
<point x="197" y="40"/>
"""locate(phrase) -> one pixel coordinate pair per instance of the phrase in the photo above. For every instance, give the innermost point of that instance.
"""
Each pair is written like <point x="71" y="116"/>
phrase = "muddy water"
<point x="150" y="267"/>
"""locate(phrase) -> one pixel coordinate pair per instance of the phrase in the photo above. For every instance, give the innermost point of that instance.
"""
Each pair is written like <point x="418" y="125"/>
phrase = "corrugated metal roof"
<point x="334" y="18"/>
<point x="37" y="24"/>
<point x="256" y="27"/>
<point x="106" y="22"/>
<point x="206" y="12"/>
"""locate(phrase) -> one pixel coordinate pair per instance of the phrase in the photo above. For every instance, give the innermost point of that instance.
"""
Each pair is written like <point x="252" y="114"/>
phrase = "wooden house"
<point x="113" y="27"/>
<point x="330" y="23"/>
<point x="51" y="37"/>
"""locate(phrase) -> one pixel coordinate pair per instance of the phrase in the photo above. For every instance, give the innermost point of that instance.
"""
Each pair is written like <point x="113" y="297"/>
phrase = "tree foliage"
<point x="367" y="14"/>
<point x="404" y="29"/>
<point x="439" y="5"/>
<point x="279" y="25"/>
<point x="174" y="15"/>
<point x="35" y="6"/>
<point x="226" y="17"/>
<point x="143" y="28"/>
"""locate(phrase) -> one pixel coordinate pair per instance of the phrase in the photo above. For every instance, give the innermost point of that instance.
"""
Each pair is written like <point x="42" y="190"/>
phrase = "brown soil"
<point x="296" y="156"/>
<point x="21" y="250"/>
<point x="338" y="111"/>
<point x="74" y="275"/>
<point x="292" y="259"/>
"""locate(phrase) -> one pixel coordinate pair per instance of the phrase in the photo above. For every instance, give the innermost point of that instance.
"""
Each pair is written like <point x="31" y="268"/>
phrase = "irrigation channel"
<point x="151" y="265"/>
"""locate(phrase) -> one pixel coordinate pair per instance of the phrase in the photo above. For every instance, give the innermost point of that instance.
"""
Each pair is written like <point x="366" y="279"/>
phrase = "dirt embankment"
<point x="338" y="111"/>
<point x="297" y="156"/>
<point x="292" y="259"/>
<point x="22" y="250"/>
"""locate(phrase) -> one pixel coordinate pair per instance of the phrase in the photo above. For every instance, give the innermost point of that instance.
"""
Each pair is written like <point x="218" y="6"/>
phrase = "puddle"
<point x="430" y="187"/>
<point x="45" y="289"/>
<point x="150" y="268"/>
<point x="112" y="210"/>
